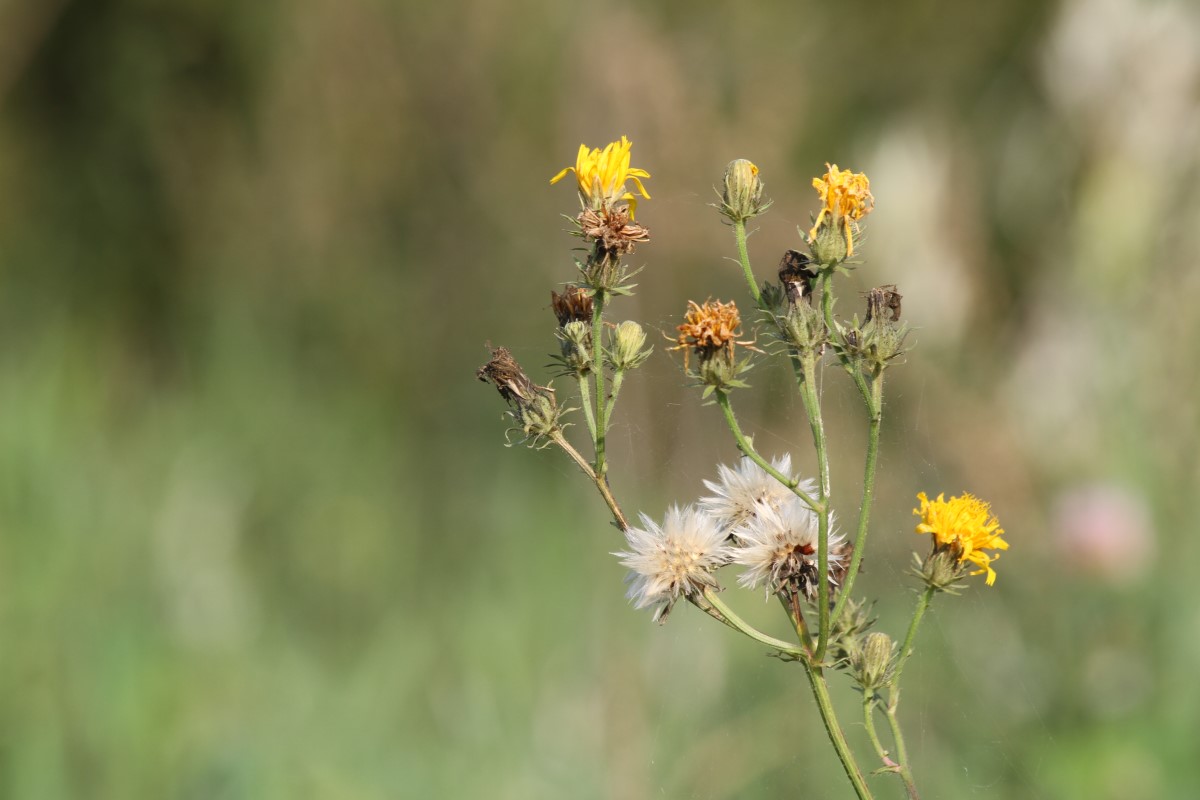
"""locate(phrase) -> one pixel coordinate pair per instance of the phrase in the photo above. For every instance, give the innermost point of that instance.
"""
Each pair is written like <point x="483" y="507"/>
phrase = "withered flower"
<point x="614" y="228"/>
<point x="710" y="329"/>
<point x="884" y="297"/>
<point x="533" y="407"/>
<point x="845" y="199"/>
<point x="797" y="276"/>
<point x="574" y="304"/>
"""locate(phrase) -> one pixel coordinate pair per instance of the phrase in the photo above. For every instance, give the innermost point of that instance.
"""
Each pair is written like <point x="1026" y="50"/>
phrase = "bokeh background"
<point x="259" y="535"/>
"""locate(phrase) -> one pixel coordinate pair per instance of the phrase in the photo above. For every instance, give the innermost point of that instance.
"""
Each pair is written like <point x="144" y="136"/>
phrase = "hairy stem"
<point x="875" y="411"/>
<point x="618" y="379"/>
<point x="872" y="734"/>
<point x="601" y="483"/>
<point x="812" y="408"/>
<point x="739" y="232"/>
<point x="598" y="301"/>
<point x="820" y="689"/>
<point x="585" y="397"/>
<point x="893" y="702"/>
<point x="747" y="449"/>
<point x="748" y="629"/>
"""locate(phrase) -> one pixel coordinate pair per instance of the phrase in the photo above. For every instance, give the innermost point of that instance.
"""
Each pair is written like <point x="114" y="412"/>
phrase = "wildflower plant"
<point x="759" y="516"/>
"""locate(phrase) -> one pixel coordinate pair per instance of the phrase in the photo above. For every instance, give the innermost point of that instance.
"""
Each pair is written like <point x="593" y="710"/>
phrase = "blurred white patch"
<point x="1050" y="384"/>
<point x="1105" y="532"/>
<point x="1128" y="70"/>
<point x="922" y="254"/>
<point x="208" y="599"/>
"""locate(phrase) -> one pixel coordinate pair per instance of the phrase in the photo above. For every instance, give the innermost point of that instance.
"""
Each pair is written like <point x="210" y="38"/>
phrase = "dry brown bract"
<point x="509" y="379"/>
<point x="573" y="305"/>
<point x="614" y="228"/>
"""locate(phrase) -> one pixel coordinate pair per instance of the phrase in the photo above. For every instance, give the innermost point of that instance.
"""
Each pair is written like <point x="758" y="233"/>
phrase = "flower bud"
<point x="575" y="344"/>
<point x="941" y="570"/>
<point x="873" y="665"/>
<point x="828" y="244"/>
<point x="742" y="197"/>
<point x="626" y="346"/>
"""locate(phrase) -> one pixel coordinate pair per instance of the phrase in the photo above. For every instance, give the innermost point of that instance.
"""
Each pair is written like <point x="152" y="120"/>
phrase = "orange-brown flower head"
<point x="711" y="330"/>
<point x="845" y="199"/>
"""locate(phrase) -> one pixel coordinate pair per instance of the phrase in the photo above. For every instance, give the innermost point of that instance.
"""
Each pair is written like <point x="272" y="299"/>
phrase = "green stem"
<point x="585" y="397"/>
<point x="893" y="703"/>
<point x="827" y="310"/>
<point x="868" y="494"/>
<point x="739" y="232"/>
<point x="906" y="649"/>
<point x="598" y="370"/>
<point x="821" y="694"/>
<point x="747" y="449"/>
<point x="618" y="379"/>
<point x="902" y="755"/>
<point x="791" y="604"/>
<point x="601" y="484"/>
<point x="748" y="629"/>
<point x="872" y="734"/>
<point x="812" y="407"/>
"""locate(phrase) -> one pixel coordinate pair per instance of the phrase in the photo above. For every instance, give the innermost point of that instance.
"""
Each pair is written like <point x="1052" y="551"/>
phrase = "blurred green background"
<point x="259" y="537"/>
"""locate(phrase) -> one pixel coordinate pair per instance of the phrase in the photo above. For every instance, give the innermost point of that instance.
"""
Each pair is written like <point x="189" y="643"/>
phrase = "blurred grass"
<point x="258" y="534"/>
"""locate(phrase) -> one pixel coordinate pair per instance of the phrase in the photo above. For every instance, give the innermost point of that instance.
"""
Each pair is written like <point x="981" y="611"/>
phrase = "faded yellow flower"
<point x="602" y="175"/>
<point x="964" y="526"/>
<point x="846" y="198"/>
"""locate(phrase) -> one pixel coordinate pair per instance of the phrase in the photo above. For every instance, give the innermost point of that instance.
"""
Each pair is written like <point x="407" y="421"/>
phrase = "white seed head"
<point x="781" y="544"/>
<point x="743" y="491"/>
<point x="673" y="560"/>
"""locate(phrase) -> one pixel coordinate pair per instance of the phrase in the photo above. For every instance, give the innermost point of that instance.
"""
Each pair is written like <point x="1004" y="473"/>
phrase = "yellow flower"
<point x="846" y="198"/>
<point x="602" y="175"/>
<point x="965" y="526"/>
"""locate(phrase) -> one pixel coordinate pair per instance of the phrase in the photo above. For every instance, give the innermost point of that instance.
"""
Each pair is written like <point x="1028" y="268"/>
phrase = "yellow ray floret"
<point x="964" y="524"/>
<point x="845" y="198"/>
<point x="602" y="175"/>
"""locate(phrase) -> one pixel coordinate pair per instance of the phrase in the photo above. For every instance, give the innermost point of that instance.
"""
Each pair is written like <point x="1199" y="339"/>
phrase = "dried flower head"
<point x="743" y="491"/>
<point x="710" y="329"/>
<point x="602" y="175"/>
<point x="779" y="546"/>
<point x="614" y="228"/>
<point x="962" y="527"/>
<point x="845" y="199"/>
<point x="674" y="560"/>
<point x="533" y="407"/>
<point x="573" y="305"/>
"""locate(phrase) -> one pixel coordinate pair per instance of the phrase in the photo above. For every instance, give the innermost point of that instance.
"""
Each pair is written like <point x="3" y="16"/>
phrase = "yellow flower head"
<point x="845" y="198"/>
<point x="965" y="526"/>
<point x="602" y="175"/>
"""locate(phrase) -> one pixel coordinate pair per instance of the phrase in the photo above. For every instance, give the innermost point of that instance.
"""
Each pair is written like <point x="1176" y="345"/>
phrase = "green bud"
<point x="874" y="664"/>
<point x="941" y="570"/>
<point x="828" y="246"/>
<point x="742" y="197"/>
<point x="626" y="346"/>
<point x="575" y="345"/>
